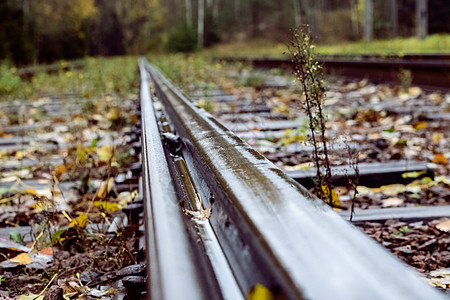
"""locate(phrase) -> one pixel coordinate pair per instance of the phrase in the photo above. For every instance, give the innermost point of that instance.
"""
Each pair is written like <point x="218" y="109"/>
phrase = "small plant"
<point x="405" y="76"/>
<point x="253" y="79"/>
<point x="309" y="74"/>
<point x="353" y="157"/>
<point x="10" y="83"/>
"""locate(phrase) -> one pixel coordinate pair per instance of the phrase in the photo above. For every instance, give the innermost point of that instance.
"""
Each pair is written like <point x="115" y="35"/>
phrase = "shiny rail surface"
<point x="244" y="224"/>
<point x="429" y="71"/>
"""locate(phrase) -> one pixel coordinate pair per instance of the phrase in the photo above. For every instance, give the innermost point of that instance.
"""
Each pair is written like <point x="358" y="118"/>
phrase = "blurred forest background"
<point x="47" y="30"/>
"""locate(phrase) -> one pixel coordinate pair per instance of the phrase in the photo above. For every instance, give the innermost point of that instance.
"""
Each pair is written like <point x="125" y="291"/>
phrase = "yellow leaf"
<point x="19" y="155"/>
<point x="22" y="259"/>
<point x="114" y="113"/>
<point x="421" y="125"/>
<point x="80" y="221"/>
<point x="392" y="189"/>
<point x="437" y="137"/>
<point x="105" y="152"/>
<point x="29" y="191"/>
<point x="31" y="296"/>
<point x="413" y="174"/>
<point x="444" y="226"/>
<point x="82" y="154"/>
<point x="440" y="159"/>
<point x="260" y="292"/>
<point x="108" y="206"/>
<point x="334" y="197"/>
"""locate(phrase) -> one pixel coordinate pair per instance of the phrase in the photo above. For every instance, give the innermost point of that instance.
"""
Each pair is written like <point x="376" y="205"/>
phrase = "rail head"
<point x="272" y="230"/>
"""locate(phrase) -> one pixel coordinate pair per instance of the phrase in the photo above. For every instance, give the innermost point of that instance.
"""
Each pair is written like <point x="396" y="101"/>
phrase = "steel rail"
<point x="270" y="229"/>
<point x="431" y="71"/>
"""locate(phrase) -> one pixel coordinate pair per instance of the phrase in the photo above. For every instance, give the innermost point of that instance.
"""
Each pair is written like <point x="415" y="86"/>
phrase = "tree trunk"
<point x="188" y="6"/>
<point x="201" y="23"/>
<point x="394" y="18"/>
<point x="421" y="19"/>
<point x="354" y="17"/>
<point x="368" y="20"/>
<point x="297" y="16"/>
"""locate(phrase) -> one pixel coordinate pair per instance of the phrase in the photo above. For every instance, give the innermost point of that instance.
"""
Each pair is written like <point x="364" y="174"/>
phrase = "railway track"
<point x="223" y="222"/>
<point x="427" y="70"/>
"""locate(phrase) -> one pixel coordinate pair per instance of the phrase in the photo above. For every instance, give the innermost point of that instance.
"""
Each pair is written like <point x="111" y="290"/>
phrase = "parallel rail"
<point x="264" y="228"/>
<point x="432" y="71"/>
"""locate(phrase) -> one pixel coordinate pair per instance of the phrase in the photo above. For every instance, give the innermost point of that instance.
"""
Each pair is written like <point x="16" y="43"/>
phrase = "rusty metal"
<point x="270" y="230"/>
<point x="431" y="71"/>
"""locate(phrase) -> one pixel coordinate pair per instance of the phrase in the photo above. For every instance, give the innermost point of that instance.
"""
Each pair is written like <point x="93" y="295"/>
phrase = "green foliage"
<point x="10" y="82"/>
<point x="436" y="43"/>
<point x="16" y="237"/>
<point x="182" y="39"/>
<point x="253" y="79"/>
<point x="85" y="78"/>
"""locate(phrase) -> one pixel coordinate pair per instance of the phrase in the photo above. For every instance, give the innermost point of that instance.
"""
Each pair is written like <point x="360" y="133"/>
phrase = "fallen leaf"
<point x="126" y="197"/>
<point x="31" y="296"/>
<point x="22" y="259"/>
<point x="435" y="97"/>
<point x="59" y="170"/>
<point x="390" y="202"/>
<point x="415" y="91"/>
<point x="392" y="189"/>
<point x="260" y="292"/>
<point x="5" y="135"/>
<point x="134" y="119"/>
<point x="105" y="152"/>
<point x="29" y="191"/>
<point x="80" y="221"/>
<point x="443" y="179"/>
<point x="413" y="174"/>
<point x="334" y="196"/>
<point x="81" y="154"/>
<point x="108" y="206"/>
<point x="437" y="137"/>
<point x="440" y="159"/>
<point x="113" y="113"/>
<point x="105" y="187"/>
<point x="444" y="226"/>
<point x="421" y="125"/>
<point x="363" y="190"/>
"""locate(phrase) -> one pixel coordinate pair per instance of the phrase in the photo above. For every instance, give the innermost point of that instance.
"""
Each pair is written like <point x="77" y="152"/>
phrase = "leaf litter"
<point x="61" y="195"/>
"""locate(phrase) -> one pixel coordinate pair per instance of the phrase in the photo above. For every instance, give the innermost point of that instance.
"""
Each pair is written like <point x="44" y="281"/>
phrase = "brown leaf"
<point x="444" y="226"/>
<point x="440" y="159"/>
